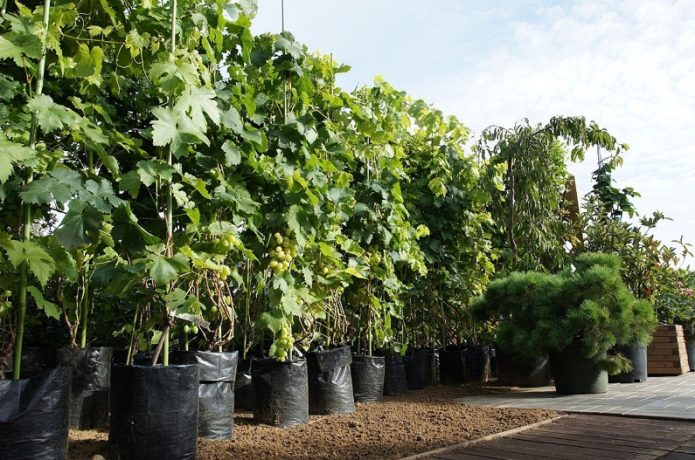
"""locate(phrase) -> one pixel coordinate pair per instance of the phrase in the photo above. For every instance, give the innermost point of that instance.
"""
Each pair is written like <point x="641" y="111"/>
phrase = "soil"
<point x="420" y="421"/>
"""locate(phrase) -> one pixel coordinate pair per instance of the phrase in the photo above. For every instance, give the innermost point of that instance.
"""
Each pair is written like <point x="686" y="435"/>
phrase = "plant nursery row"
<point x="193" y="215"/>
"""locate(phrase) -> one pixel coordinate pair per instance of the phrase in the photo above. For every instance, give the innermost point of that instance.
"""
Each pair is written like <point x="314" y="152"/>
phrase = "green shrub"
<point x="591" y="307"/>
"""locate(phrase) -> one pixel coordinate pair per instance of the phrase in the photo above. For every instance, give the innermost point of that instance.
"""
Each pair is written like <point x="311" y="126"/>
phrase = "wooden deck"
<point x="586" y="437"/>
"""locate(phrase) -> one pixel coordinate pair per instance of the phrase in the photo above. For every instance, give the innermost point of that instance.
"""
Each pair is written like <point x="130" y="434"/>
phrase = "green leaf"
<point x="45" y="190"/>
<point x="8" y="88"/>
<point x="127" y="229"/>
<point x="18" y="47"/>
<point x="196" y="103"/>
<point x="49" y="308"/>
<point x="40" y="263"/>
<point x="89" y="62"/>
<point x="232" y="154"/>
<point x="198" y="184"/>
<point x="80" y="219"/>
<point x="51" y="116"/>
<point x="130" y="182"/>
<point x="68" y="177"/>
<point x="12" y="154"/>
<point x="232" y="120"/>
<point x="273" y="321"/>
<point x="165" y="269"/>
<point x="151" y="171"/>
<point x="164" y="130"/>
<point x="100" y="194"/>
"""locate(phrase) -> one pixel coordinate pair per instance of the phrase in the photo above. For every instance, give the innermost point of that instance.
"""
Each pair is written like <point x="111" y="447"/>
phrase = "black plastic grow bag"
<point x="522" y="371"/>
<point x="395" y="380"/>
<point x="243" y="387"/>
<point x="432" y="377"/>
<point x="416" y="368"/>
<point x="330" y="382"/>
<point x="477" y="363"/>
<point x="281" y="390"/>
<point x="34" y="416"/>
<point x="154" y="412"/>
<point x="452" y="366"/>
<point x="215" y="392"/>
<point x="91" y="376"/>
<point x="368" y="374"/>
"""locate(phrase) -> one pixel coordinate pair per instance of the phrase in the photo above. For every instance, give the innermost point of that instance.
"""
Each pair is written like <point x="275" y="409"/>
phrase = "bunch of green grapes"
<point x="283" y="342"/>
<point x="282" y="255"/>
<point x="374" y="259"/>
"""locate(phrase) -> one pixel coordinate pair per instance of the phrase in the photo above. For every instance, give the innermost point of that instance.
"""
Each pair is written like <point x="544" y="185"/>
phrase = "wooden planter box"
<point x="667" y="355"/>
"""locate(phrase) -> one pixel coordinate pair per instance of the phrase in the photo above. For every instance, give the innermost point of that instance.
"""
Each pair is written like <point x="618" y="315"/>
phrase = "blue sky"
<point x="627" y="64"/>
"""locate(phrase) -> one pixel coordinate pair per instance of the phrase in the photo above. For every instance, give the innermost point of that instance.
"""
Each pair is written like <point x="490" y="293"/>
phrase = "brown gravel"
<point x="420" y="421"/>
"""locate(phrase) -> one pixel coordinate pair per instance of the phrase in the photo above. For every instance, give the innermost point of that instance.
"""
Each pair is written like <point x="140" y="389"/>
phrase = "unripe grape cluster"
<point x="284" y="342"/>
<point x="281" y="256"/>
<point x="190" y="329"/>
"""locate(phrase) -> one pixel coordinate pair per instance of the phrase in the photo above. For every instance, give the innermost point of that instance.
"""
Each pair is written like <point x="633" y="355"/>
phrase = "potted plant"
<point x="575" y="317"/>
<point x="33" y="411"/>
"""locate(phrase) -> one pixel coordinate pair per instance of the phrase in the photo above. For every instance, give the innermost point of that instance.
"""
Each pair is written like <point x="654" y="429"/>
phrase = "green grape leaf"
<point x="45" y="190"/>
<point x="196" y="103"/>
<point x="80" y="219"/>
<point x="150" y="171"/>
<point x="40" y="263"/>
<point x="127" y="229"/>
<point x="232" y="120"/>
<point x="17" y="46"/>
<point x="11" y="155"/>
<point x="232" y="154"/>
<point x="165" y="269"/>
<point x="164" y="129"/>
<point x="50" y="309"/>
<point x="89" y="63"/>
<point x="51" y="116"/>
<point x="130" y="182"/>
<point x="100" y="195"/>
<point x="273" y="320"/>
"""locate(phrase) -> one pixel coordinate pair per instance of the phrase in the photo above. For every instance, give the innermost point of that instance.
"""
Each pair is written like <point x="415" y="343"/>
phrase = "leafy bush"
<point x="591" y="307"/>
<point x="675" y="303"/>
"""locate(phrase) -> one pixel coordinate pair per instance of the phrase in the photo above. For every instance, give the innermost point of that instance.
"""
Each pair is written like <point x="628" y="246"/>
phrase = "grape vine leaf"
<point x="232" y="154"/>
<point x="40" y="263"/>
<point x="164" y="131"/>
<point x="46" y="190"/>
<point x="165" y="269"/>
<point x="51" y="116"/>
<point x="49" y="308"/>
<point x="80" y="219"/>
<point x="12" y="155"/>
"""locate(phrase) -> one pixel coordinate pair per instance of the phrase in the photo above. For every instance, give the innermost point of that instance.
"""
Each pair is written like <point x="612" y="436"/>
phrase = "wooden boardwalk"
<point x="585" y="437"/>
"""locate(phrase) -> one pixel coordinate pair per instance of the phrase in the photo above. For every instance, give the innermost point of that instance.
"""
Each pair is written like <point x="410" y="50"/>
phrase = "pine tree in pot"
<point x="574" y="317"/>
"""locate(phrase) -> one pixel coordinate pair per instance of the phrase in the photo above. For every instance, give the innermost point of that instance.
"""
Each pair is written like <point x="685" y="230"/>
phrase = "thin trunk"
<point x="510" y="216"/>
<point x="247" y="308"/>
<point x="369" y="318"/>
<point x="129" y="357"/>
<point x="26" y="208"/>
<point x="170" y="205"/>
<point x="86" y="299"/>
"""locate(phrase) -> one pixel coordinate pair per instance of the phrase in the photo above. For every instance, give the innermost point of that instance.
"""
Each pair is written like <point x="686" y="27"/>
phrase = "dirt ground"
<point x="400" y="426"/>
